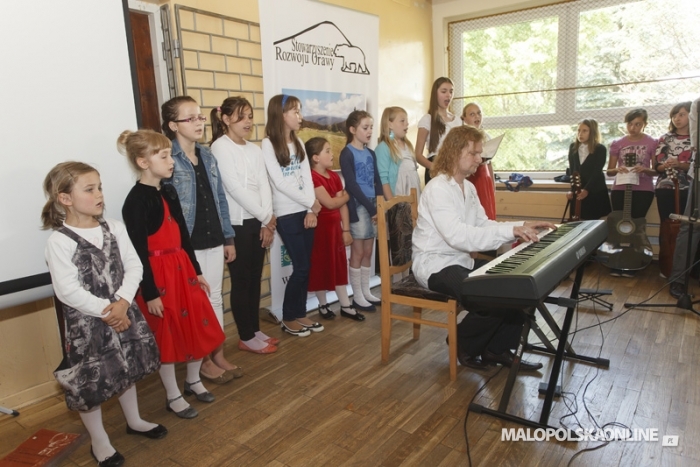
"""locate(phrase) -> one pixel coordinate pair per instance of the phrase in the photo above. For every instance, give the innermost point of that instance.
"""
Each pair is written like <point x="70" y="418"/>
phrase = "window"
<point x="537" y="73"/>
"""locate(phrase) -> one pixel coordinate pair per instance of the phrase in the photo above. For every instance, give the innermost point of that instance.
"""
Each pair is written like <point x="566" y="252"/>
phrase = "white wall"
<point x="67" y="94"/>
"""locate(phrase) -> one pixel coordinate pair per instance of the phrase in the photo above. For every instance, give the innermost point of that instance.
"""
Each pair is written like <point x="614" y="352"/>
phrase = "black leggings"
<point x="246" y="272"/>
<point x="666" y="201"/>
<point x="641" y="201"/>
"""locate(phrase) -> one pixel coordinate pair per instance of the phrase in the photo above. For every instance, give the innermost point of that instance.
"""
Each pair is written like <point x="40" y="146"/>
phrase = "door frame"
<point x="159" y="62"/>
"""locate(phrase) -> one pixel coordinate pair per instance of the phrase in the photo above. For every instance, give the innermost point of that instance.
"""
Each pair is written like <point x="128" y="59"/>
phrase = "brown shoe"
<point x="223" y="378"/>
<point x="235" y="373"/>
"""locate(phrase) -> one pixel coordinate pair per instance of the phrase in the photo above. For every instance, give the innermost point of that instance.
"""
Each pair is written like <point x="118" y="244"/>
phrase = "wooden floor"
<point x="327" y="399"/>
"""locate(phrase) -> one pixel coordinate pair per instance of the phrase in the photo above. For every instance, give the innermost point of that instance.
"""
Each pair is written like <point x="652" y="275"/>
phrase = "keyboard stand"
<point x="559" y="354"/>
<point x="594" y="296"/>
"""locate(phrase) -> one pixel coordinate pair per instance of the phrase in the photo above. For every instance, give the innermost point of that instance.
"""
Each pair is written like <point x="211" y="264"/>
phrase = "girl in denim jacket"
<point x="199" y="186"/>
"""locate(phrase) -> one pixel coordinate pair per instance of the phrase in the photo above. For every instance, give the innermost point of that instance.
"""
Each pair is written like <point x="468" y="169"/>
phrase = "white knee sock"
<point x="101" y="447"/>
<point x="356" y="283"/>
<point x="167" y="376"/>
<point x="130" y="407"/>
<point x="365" y="273"/>
<point x="342" y="292"/>
<point x="321" y="296"/>
<point x="193" y="376"/>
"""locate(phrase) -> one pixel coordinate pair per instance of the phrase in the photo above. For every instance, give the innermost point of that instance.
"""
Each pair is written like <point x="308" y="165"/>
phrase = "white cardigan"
<point x="245" y="180"/>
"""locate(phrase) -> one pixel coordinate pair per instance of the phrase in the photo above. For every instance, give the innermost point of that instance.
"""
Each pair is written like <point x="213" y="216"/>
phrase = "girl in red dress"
<point x="173" y="288"/>
<point x="329" y="264"/>
<point x="483" y="178"/>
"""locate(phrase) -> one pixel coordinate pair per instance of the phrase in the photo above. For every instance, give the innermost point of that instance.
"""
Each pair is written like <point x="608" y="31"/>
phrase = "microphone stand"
<point x="685" y="301"/>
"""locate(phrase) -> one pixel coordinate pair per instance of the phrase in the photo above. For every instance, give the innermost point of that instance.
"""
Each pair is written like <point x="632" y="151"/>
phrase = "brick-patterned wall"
<point x="222" y="57"/>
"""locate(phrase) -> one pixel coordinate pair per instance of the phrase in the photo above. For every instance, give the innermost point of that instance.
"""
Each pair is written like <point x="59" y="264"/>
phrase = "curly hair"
<point x="451" y="150"/>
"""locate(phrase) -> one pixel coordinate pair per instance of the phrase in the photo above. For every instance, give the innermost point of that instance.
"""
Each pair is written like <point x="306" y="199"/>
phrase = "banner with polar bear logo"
<point x="327" y="56"/>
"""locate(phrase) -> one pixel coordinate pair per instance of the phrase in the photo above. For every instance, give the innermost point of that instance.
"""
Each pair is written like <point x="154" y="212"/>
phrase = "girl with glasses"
<point x="201" y="191"/>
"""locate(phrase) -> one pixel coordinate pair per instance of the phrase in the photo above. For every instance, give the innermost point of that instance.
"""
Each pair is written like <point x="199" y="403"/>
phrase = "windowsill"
<point x="543" y="181"/>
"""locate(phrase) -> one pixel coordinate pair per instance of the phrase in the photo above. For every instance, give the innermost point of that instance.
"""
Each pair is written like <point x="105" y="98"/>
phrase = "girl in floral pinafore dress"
<point x="172" y="294"/>
<point x="95" y="273"/>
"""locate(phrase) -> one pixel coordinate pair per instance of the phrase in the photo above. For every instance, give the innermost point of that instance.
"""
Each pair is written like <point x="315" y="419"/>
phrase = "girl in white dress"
<point x="434" y="126"/>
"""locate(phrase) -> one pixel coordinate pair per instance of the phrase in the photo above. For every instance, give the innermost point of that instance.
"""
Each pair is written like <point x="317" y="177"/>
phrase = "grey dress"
<point x="98" y="362"/>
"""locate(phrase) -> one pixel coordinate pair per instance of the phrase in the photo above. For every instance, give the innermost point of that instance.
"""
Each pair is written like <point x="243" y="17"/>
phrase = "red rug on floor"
<point x="43" y="448"/>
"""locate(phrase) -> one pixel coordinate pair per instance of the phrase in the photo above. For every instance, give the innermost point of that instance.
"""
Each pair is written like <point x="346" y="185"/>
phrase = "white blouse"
<point x="452" y="224"/>
<point x="583" y="152"/>
<point x="424" y="123"/>
<point x="292" y="186"/>
<point x="64" y="274"/>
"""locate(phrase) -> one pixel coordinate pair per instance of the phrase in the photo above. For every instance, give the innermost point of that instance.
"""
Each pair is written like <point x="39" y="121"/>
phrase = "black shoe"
<point x="676" y="290"/>
<point x="369" y="308"/>
<point x="189" y="412"/>
<point x="115" y="460"/>
<point x="205" y="396"/>
<point x="313" y="327"/>
<point x="326" y="312"/>
<point x="506" y="359"/>
<point x="154" y="433"/>
<point x="471" y="362"/>
<point x="303" y="332"/>
<point x="357" y="316"/>
<point x="374" y="302"/>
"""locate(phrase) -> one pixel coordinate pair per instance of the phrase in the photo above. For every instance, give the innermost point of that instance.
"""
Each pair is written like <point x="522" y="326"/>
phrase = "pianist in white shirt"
<point x="451" y="225"/>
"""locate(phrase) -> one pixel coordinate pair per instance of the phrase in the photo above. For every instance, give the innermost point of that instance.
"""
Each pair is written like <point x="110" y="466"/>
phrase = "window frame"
<point x="565" y="112"/>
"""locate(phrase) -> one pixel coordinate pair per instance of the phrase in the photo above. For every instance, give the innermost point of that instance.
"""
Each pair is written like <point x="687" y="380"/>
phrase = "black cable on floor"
<point x="466" y="416"/>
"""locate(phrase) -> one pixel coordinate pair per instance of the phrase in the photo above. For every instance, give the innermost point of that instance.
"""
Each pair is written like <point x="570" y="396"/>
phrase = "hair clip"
<point x="218" y="109"/>
<point x="284" y="99"/>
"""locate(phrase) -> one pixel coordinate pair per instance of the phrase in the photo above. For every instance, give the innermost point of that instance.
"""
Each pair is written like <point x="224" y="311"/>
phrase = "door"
<point x="143" y="55"/>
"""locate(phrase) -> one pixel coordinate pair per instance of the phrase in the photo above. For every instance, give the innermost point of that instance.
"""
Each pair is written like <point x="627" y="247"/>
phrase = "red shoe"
<point x="273" y="341"/>
<point x="268" y="349"/>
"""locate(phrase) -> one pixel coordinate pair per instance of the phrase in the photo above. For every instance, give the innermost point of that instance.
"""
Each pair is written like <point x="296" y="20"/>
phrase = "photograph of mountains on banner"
<point x="324" y="114"/>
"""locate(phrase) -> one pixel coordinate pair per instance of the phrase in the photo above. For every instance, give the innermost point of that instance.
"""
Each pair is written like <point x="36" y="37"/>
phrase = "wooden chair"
<point x="396" y="220"/>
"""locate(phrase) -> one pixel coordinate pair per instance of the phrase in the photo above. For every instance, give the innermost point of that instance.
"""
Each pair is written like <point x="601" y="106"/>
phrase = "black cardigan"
<point x="143" y="215"/>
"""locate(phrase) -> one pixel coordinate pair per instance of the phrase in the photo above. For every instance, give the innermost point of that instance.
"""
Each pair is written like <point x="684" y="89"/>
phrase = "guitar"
<point x="669" y="230"/>
<point x="575" y="205"/>
<point x="627" y="246"/>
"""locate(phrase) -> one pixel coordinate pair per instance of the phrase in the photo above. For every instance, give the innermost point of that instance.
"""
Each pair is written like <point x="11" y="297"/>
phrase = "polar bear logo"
<point x="353" y="59"/>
